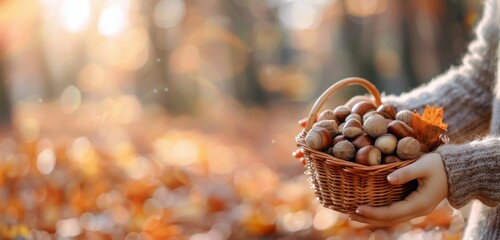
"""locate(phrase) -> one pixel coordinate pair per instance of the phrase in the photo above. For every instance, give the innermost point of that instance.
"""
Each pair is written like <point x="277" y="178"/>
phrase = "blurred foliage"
<point x="258" y="51"/>
<point x="175" y="119"/>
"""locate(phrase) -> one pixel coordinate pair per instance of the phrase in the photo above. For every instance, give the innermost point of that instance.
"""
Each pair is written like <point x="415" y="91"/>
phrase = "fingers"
<point x="390" y="213"/>
<point x="418" y="203"/>
<point x="359" y="218"/>
<point x="405" y="174"/>
<point x="418" y="169"/>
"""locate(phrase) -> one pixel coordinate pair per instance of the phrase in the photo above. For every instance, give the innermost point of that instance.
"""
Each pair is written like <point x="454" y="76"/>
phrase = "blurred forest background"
<point x="175" y="119"/>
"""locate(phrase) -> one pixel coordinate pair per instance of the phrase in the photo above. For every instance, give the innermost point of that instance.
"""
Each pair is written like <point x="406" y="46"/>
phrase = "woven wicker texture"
<point x="342" y="185"/>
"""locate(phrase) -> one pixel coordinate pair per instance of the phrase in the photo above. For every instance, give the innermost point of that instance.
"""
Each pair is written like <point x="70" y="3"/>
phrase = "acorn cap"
<point x="375" y="126"/>
<point x="318" y="138"/>
<point x="352" y="128"/>
<point x="408" y="148"/>
<point x="344" y="150"/>
<point x="369" y="114"/>
<point x="386" y="143"/>
<point x="330" y="125"/>
<point x="326" y="115"/>
<point x="405" y="116"/>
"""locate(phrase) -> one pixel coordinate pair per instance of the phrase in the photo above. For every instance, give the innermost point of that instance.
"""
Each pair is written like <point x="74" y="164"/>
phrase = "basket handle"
<point x="334" y="88"/>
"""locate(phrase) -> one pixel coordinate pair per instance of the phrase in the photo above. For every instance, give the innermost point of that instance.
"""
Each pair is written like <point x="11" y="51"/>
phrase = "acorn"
<point x="330" y="125"/>
<point x="369" y="114"/>
<point x="408" y="148"/>
<point x="400" y="129"/>
<point x="387" y="111"/>
<point x="326" y="115"/>
<point x="353" y="116"/>
<point x="390" y="159"/>
<point x="406" y="116"/>
<point x="329" y="151"/>
<point x="341" y="112"/>
<point x="362" y="140"/>
<point x="386" y="143"/>
<point x="369" y="156"/>
<point x="318" y="138"/>
<point x="344" y="150"/>
<point x="352" y="128"/>
<point x="337" y="139"/>
<point x="375" y="126"/>
<point x="363" y="107"/>
<point x="356" y="99"/>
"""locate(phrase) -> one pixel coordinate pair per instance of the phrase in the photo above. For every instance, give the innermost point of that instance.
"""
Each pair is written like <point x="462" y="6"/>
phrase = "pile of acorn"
<point x="365" y="134"/>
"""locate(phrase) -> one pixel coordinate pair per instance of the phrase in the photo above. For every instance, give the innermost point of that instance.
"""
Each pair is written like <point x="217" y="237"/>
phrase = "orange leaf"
<point x="429" y="127"/>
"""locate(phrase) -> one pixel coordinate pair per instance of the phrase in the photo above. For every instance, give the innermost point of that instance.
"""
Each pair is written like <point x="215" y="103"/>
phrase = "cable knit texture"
<point x="470" y="94"/>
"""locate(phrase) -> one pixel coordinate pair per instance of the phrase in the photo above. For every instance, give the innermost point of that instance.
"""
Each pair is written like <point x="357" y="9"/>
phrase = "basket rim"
<point x="334" y="88"/>
<point x="348" y="165"/>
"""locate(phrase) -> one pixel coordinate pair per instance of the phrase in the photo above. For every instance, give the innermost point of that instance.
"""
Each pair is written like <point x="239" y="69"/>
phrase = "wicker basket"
<point x="342" y="185"/>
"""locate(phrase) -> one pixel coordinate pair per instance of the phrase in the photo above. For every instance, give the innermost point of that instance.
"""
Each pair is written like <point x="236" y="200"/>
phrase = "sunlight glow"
<point x="113" y="19"/>
<point x="75" y="15"/>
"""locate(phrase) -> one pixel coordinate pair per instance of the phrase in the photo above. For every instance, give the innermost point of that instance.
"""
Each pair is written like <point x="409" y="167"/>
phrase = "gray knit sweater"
<point x="470" y="94"/>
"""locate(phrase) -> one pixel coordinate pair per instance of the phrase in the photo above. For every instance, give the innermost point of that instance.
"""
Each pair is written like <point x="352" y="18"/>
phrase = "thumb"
<point x="406" y="174"/>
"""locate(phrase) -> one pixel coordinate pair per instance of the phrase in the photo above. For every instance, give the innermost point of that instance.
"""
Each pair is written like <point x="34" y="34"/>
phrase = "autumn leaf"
<point x="429" y="127"/>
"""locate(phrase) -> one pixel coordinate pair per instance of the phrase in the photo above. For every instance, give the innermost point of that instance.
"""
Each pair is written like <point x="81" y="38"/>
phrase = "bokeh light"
<point x="71" y="99"/>
<point x="325" y="219"/>
<point x="46" y="161"/>
<point x="68" y="228"/>
<point x="75" y="15"/>
<point x="114" y="18"/>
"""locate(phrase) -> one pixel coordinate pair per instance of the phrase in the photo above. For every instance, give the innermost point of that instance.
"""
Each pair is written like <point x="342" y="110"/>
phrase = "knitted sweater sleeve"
<point x="464" y="91"/>
<point x="473" y="171"/>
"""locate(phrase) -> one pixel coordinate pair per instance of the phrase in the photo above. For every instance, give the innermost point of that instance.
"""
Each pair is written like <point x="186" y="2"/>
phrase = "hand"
<point x="432" y="189"/>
